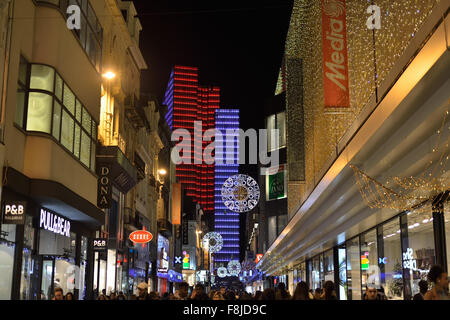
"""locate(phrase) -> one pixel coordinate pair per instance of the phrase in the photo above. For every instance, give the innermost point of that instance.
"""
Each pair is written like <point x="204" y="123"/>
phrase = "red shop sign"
<point x="141" y="236"/>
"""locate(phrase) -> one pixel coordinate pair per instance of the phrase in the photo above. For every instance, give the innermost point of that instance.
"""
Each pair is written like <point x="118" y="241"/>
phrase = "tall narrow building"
<point x="226" y="222"/>
<point x="187" y="103"/>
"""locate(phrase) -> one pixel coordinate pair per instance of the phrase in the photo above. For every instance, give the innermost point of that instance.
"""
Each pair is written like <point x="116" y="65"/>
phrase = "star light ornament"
<point x="213" y="242"/>
<point x="240" y="193"/>
<point x="234" y="268"/>
<point x="222" y="272"/>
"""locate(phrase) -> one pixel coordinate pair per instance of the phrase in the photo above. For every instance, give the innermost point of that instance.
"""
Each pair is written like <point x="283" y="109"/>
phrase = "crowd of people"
<point x="437" y="276"/>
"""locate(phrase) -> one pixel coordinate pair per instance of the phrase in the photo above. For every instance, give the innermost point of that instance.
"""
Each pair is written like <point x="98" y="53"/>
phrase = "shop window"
<point x="342" y="260"/>
<point x="390" y="260"/>
<point x="65" y="274"/>
<point x="78" y="111"/>
<point x="370" y="271"/>
<point x="42" y="77"/>
<point x="7" y="247"/>
<point x="316" y="275"/>
<point x="29" y="272"/>
<point x="353" y="269"/>
<point x="39" y="116"/>
<point x="418" y="251"/>
<point x="328" y="266"/>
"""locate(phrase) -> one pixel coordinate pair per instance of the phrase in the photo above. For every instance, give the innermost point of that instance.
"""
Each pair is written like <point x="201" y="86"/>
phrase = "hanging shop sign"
<point x="100" y="245"/>
<point x="104" y="188"/>
<point x="186" y="261"/>
<point x="335" y="58"/>
<point x="52" y="222"/>
<point x="141" y="236"/>
<point x="258" y="257"/>
<point x="162" y="262"/>
<point x="276" y="183"/>
<point x="14" y="212"/>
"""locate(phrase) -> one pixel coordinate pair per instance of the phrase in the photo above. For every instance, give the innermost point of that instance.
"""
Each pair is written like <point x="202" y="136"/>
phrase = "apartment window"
<point x="278" y="122"/>
<point x="90" y="34"/>
<point x="45" y="103"/>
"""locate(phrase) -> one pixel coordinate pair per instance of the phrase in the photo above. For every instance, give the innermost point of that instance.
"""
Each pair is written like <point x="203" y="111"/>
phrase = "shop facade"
<point x="47" y="245"/>
<point x="392" y="256"/>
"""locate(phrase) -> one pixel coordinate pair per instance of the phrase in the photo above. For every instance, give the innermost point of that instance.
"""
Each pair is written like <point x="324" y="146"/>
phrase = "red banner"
<point x="335" y="58"/>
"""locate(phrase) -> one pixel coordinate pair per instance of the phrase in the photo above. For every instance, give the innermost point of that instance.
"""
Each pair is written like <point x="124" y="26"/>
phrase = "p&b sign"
<point x="14" y="212"/>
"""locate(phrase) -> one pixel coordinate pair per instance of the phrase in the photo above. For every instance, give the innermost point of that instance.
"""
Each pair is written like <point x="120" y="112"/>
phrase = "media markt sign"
<point x="276" y="183"/>
<point x="14" y="212"/>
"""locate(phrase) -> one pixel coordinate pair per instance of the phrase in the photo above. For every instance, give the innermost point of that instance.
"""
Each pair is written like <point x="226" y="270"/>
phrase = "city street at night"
<point x="224" y="159"/>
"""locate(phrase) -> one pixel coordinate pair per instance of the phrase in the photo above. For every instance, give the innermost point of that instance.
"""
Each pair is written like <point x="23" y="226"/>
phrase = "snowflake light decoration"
<point x="234" y="268"/>
<point x="213" y="242"/>
<point x="222" y="272"/>
<point x="240" y="193"/>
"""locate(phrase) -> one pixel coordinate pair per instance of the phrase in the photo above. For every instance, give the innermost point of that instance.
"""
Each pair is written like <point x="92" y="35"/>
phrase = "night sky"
<point x="237" y="45"/>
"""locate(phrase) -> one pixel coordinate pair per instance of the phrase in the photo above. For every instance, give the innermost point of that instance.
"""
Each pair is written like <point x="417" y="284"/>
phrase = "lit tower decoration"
<point x="188" y="102"/>
<point x="226" y="222"/>
<point x="208" y="102"/>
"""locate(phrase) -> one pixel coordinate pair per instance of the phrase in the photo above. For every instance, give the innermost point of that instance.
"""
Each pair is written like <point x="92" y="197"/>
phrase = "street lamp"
<point x="109" y="75"/>
<point x="162" y="172"/>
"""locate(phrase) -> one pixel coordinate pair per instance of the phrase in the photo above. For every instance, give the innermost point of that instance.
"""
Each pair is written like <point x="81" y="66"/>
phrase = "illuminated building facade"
<point x="188" y="102"/>
<point x="226" y="222"/>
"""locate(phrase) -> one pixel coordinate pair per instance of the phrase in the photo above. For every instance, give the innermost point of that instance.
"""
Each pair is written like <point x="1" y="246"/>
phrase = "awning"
<point x="54" y="196"/>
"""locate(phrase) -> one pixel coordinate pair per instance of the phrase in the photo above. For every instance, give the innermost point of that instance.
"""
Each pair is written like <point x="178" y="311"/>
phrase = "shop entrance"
<point x="47" y="285"/>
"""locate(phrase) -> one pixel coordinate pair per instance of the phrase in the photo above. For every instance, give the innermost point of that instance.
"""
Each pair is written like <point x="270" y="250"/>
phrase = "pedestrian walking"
<point x="301" y="291"/>
<point x="268" y="294"/>
<point x="182" y="292"/>
<point x="258" y="295"/>
<point x="423" y="288"/>
<point x="199" y="293"/>
<point x="142" y="291"/>
<point x="372" y="293"/>
<point x="281" y="293"/>
<point x="439" y="278"/>
<point x="69" y="296"/>
<point x="59" y="295"/>
<point x="329" y="292"/>
<point x="317" y="294"/>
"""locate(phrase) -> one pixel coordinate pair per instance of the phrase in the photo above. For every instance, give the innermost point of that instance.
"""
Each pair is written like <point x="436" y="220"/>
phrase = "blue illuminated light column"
<point x="226" y="222"/>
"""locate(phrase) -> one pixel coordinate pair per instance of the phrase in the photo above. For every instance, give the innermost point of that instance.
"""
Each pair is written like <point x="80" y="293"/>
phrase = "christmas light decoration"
<point x="234" y="268"/>
<point x="213" y="242"/>
<point x="222" y="272"/>
<point x="240" y="193"/>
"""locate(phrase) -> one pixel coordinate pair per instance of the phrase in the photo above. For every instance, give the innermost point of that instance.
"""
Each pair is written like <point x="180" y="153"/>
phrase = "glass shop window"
<point x="418" y="248"/>
<point x="390" y="260"/>
<point x="7" y="247"/>
<point x="447" y="230"/>
<point x="328" y="266"/>
<point x="370" y="271"/>
<point x="353" y="269"/>
<point x="316" y="275"/>
<point x="342" y="260"/>
<point x="29" y="272"/>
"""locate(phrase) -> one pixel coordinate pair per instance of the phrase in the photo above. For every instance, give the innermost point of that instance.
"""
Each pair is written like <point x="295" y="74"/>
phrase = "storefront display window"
<point x="29" y="263"/>
<point x="370" y="271"/>
<point x="83" y="266"/>
<point x="390" y="260"/>
<point x="7" y="246"/>
<point x="328" y="266"/>
<point x="418" y="252"/>
<point x="315" y="275"/>
<point x="353" y="269"/>
<point x="342" y="260"/>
